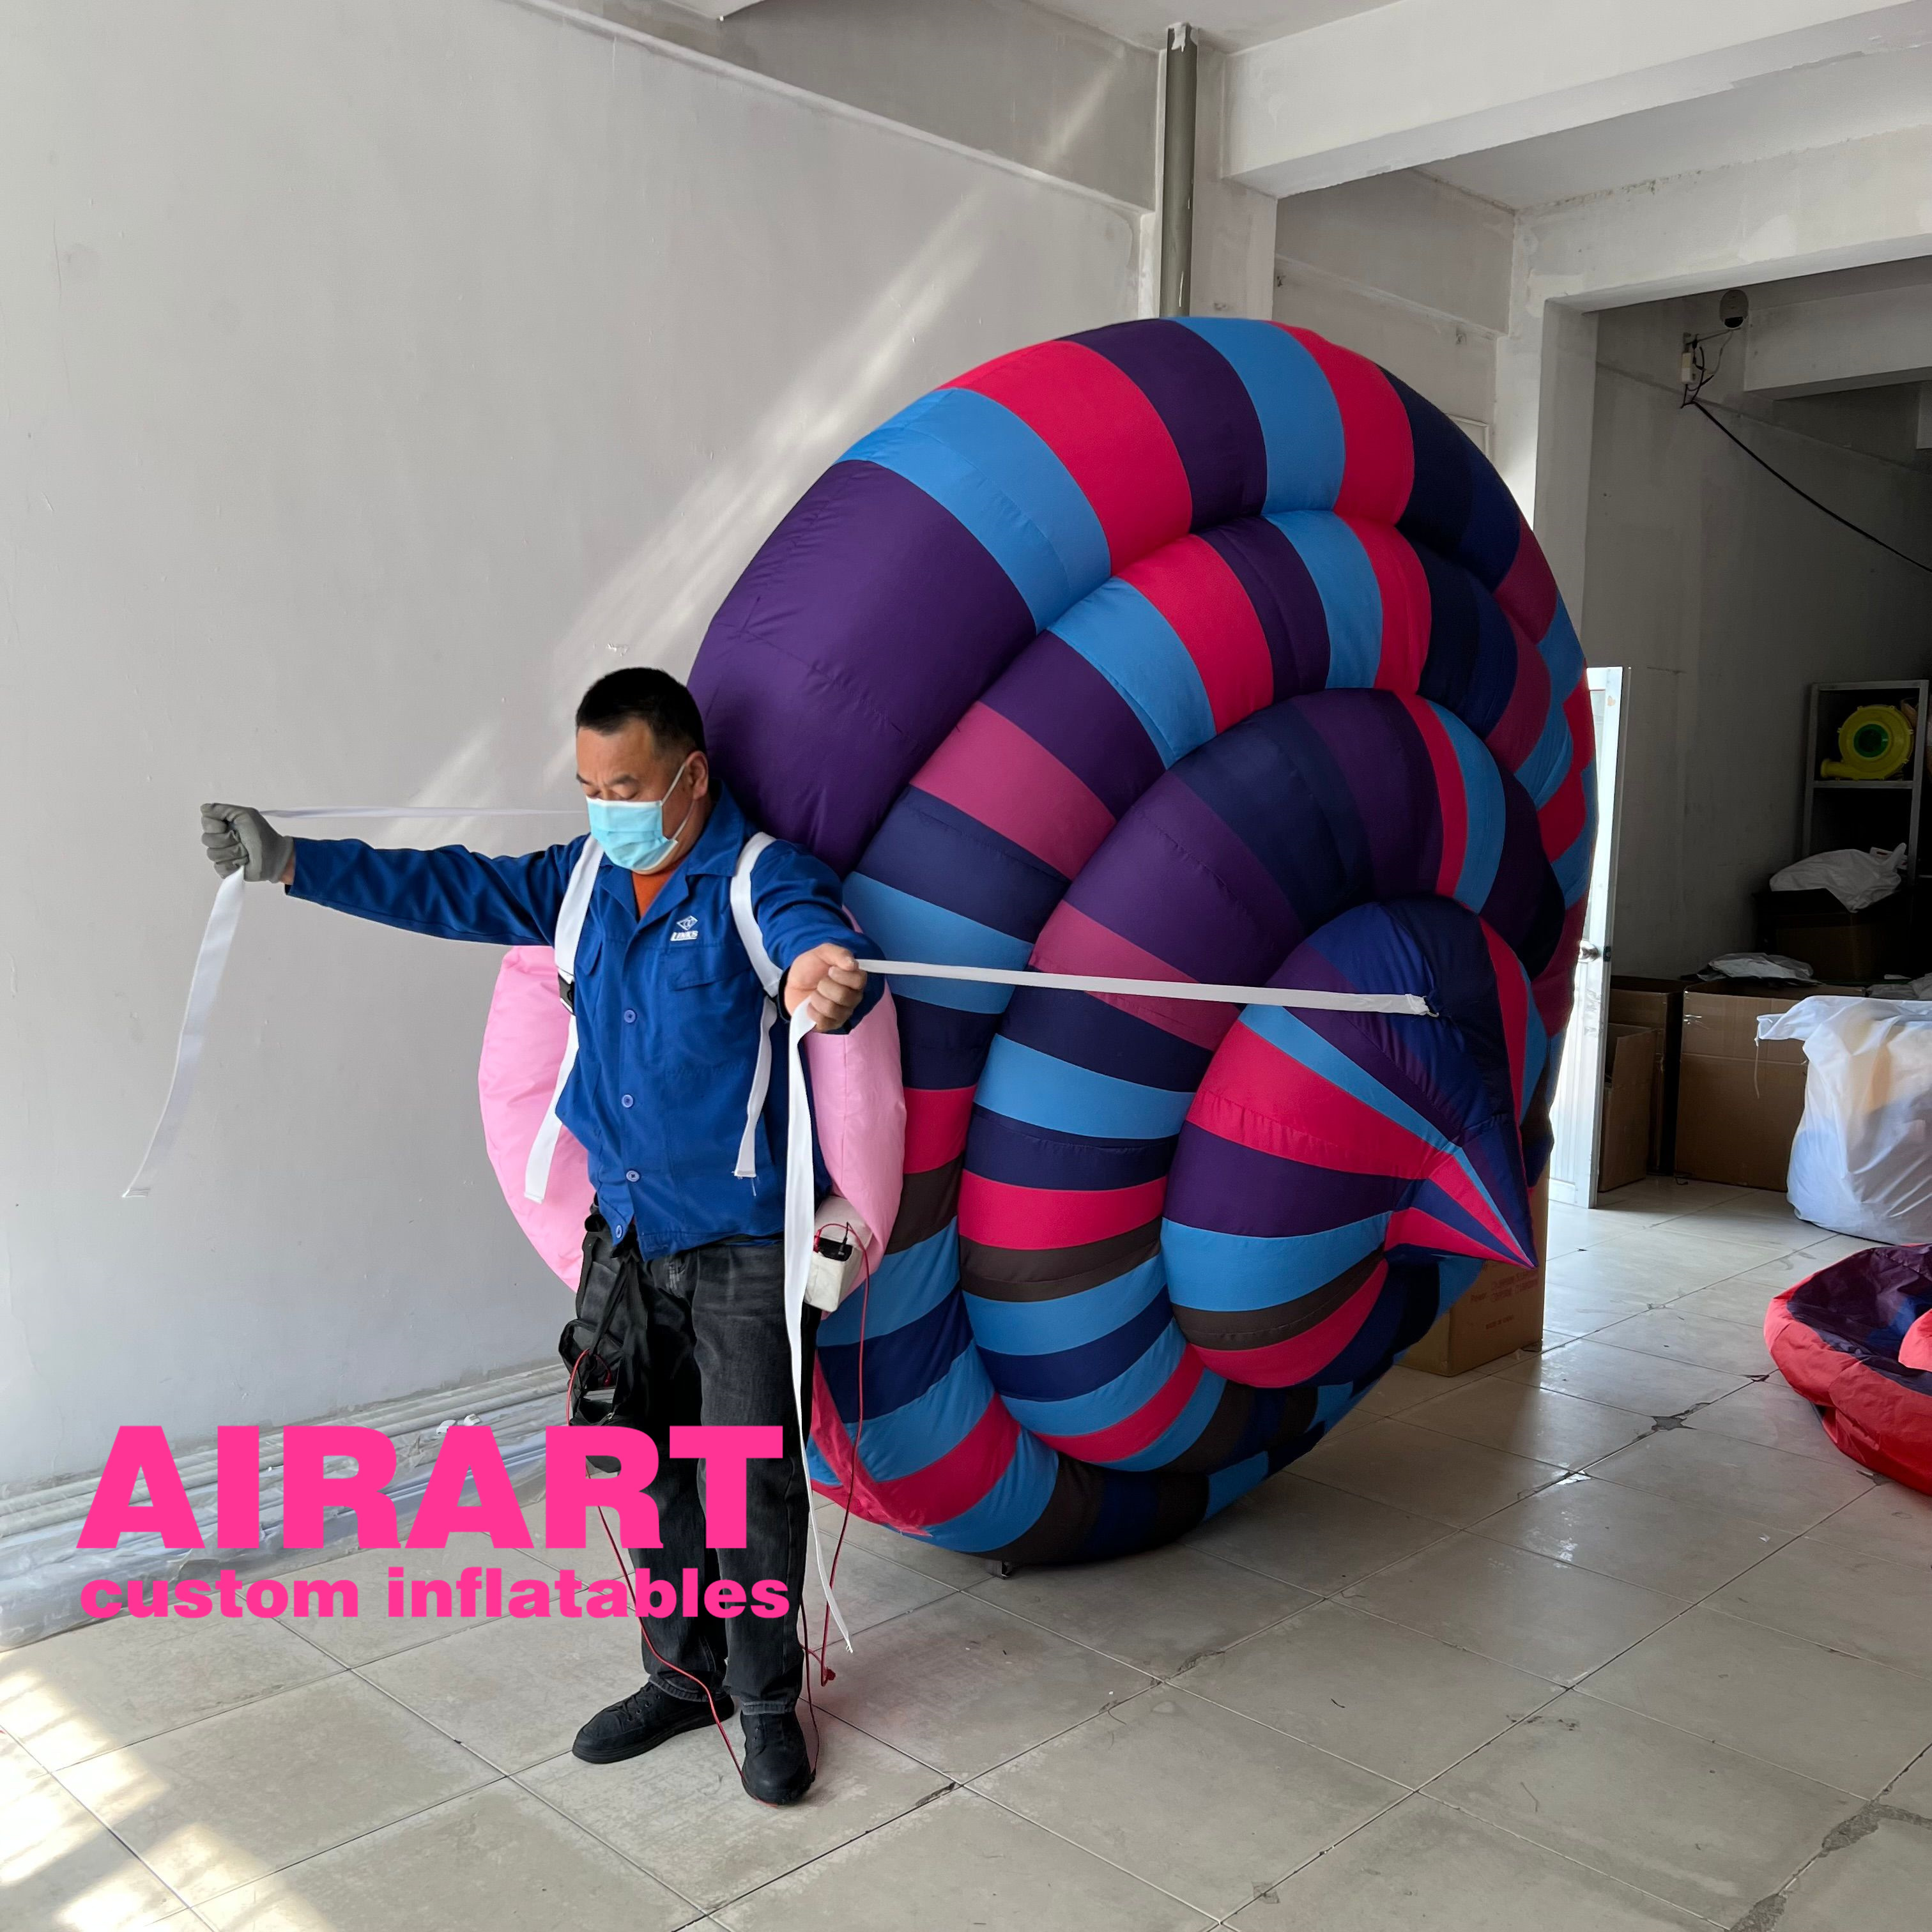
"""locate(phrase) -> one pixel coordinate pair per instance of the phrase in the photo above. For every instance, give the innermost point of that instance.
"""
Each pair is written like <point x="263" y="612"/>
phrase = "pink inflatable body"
<point x="858" y="1099"/>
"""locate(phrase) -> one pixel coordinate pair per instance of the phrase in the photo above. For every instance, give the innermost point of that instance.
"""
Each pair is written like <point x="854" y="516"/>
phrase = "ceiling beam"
<point x="1843" y="342"/>
<point x="1420" y="81"/>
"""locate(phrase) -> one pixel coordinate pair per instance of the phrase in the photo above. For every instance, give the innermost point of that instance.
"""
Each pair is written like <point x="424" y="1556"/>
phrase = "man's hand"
<point x="828" y="981"/>
<point x="239" y="839"/>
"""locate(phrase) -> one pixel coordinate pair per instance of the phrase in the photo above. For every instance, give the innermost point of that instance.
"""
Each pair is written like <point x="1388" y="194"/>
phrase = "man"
<point x="669" y="1011"/>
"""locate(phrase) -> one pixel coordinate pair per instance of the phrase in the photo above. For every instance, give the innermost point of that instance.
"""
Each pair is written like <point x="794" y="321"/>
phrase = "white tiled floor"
<point x="1605" y="1639"/>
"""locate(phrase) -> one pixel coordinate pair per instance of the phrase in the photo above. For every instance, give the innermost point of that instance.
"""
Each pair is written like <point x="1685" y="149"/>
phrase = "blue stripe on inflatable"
<point x="1010" y="1507"/>
<point x="1352" y="599"/>
<point x="1333" y="1400"/>
<point x="1488" y="815"/>
<point x="1301" y="425"/>
<point x="1066" y="1372"/>
<point x="915" y="929"/>
<point x="903" y="1441"/>
<point x="1067" y="1321"/>
<point x="1101" y="1408"/>
<point x="1535" y="1057"/>
<point x="1134" y="648"/>
<point x="1301" y="1042"/>
<point x="1572" y="868"/>
<point x="976" y="458"/>
<point x="1040" y="1091"/>
<point x="906" y="1285"/>
<point x="1224" y="1486"/>
<point x="1225" y="1274"/>
<point x="1544" y="771"/>
<point x="1563" y="653"/>
<point x="1182" y="1432"/>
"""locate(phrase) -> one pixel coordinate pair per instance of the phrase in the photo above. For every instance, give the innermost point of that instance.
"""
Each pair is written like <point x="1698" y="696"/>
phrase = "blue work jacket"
<point x="668" y="1008"/>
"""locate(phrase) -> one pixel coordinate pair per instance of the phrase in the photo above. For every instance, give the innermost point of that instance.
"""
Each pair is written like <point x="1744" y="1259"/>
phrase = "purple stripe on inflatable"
<point x="867" y="572"/>
<point x="1061" y="702"/>
<point x="1239" y="1190"/>
<point x="1205" y="406"/>
<point x="1215" y="914"/>
<point x="1287" y="603"/>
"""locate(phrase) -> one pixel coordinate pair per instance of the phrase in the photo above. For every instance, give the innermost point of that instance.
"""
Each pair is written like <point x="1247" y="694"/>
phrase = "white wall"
<point x="375" y="376"/>
<point x="1728" y="596"/>
<point x="1410" y="272"/>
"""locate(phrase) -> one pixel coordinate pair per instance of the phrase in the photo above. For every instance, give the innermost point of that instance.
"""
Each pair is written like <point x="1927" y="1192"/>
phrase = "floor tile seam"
<point x="1566" y="1469"/>
<point x="1666" y="1495"/>
<point x="1785" y="1629"/>
<point x="1282" y="1730"/>
<point x="74" y="1797"/>
<point x="1602" y="1340"/>
<point x="340" y="1669"/>
<point x="1576" y="1563"/>
<point x="1552" y="1691"/>
<point x="341" y="1844"/>
<point x="1582" y="1687"/>
<point x="1362" y="1495"/>
<point x="1213" y="1917"/>
<point x="1571" y="1857"/>
<point x="1468" y="1649"/>
<point x="517" y="1778"/>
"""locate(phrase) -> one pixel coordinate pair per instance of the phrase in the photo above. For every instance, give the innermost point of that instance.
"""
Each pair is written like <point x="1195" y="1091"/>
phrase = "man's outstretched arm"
<point x="449" y="893"/>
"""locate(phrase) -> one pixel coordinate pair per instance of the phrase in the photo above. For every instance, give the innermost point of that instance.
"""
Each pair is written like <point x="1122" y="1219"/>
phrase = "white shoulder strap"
<point x="569" y="929"/>
<point x="576" y="903"/>
<point x="746" y="921"/>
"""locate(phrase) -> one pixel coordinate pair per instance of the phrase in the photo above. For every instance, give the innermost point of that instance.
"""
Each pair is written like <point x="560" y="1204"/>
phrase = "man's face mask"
<point x="632" y="830"/>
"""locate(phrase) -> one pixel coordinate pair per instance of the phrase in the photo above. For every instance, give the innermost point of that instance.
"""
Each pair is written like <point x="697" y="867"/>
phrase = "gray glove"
<point x="238" y="838"/>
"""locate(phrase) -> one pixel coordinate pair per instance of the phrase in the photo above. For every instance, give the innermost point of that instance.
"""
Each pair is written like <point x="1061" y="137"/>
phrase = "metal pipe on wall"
<point x="1176" y="173"/>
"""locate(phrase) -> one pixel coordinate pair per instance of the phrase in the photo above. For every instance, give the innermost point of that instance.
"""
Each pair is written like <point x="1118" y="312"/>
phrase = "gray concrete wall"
<point x="1728" y="596"/>
<point x="375" y="376"/>
<point x="1001" y="76"/>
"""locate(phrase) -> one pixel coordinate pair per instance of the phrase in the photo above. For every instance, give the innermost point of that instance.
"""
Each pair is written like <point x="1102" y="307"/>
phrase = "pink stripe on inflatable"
<point x="1380" y="469"/>
<point x="1141" y="1429"/>
<point x="1513" y="999"/>
<point x="1190" y="584"/>
<point x="937" y="1118"/>
<point x="1002" y="1214"/>
<point x="1257" y="1097"/>
<point x="1515" y="733"/>
<point x="1551" y="988"/>
<point x="951" y="1486"/>
<point x="1301" y="1357"/>
<point x="993" y="771"/>
<point x="1096" y="419"/>
<point x="1071" y="942"/>
<point x="1416" y="1227"/>
<point x="1405" y="605"/>
<point x="1450" y="791"/>
<point x="1528" y="592"/>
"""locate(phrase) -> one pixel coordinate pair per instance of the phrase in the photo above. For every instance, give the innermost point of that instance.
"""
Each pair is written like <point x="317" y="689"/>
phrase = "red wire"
<point x="826" y="1674"/>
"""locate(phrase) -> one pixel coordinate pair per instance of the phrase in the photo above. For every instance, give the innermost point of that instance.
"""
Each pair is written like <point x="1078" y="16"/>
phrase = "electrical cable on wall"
<point x="1697" y="377"/>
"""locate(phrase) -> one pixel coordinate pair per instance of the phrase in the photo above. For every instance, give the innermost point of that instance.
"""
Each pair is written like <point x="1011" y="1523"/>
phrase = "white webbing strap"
<point x="770" y="978"/>
<point x="569" y="930"/>
<point x="218" y="936"/>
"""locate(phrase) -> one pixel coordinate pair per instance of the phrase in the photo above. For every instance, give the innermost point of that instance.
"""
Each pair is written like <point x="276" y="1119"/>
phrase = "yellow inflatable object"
<point x="1873" y="743"/>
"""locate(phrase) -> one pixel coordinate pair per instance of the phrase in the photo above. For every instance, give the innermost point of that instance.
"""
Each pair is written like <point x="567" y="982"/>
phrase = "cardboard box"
<point x="1659" y="1005"/>
<point x="1738" y="1101"/>
<point x="1501" y="1311"/>
<point x="1631" y="1055"/>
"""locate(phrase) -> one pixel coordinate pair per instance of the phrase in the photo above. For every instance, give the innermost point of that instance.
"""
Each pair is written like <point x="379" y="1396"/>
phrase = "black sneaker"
<point x="641" y="1722"/>
<point x="776" y="1769"/>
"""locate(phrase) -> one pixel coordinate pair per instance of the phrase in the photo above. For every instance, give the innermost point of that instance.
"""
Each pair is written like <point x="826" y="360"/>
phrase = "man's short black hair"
<point x="650" y="697"/>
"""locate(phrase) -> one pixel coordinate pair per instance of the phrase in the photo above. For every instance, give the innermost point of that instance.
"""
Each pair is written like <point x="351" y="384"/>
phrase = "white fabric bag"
<point x="1861" y="1163"/>
<point x="1855" y="879"/>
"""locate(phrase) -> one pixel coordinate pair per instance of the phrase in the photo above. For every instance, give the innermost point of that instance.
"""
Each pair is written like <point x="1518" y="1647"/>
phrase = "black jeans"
<point x="719" y="1354"/>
